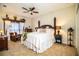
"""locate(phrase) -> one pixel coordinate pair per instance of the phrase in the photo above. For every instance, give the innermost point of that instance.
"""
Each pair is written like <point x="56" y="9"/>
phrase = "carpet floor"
<point x="17" y="49"/>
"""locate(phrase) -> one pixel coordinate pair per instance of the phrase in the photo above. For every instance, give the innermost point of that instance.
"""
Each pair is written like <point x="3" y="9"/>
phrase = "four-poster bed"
<point x="43" y="39"/>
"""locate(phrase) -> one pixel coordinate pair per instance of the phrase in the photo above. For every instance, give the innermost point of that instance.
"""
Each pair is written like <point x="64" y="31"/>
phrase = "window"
<point x="16" y="27"/>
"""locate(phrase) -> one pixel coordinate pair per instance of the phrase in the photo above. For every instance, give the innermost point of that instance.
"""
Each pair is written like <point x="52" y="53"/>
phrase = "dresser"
<point x="3" y="43"/>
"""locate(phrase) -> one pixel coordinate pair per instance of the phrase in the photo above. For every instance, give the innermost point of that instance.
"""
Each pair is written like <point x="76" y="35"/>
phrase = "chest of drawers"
<point x="3" y="43"/>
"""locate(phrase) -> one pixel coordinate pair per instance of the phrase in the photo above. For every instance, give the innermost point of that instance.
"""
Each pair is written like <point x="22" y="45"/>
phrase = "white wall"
<point x="77" y="33"/>
<point x="28" y="23"/>
<point x="65" y="19"/>
<point x="77" y="30"/>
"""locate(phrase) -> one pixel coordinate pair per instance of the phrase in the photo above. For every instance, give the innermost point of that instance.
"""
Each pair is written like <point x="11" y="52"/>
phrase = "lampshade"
<point x="1" y="31"/>
<point x="58" y="27"/>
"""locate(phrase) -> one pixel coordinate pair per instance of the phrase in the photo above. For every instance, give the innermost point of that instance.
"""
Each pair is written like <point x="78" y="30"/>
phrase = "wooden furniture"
<point x="38" y="23"/>
<point x="15" y="37"/>
<point x="58" y="38"/>
<point x="70" y="36"/>
<point x="28" y="30"/>
<point x="3" y="43"/>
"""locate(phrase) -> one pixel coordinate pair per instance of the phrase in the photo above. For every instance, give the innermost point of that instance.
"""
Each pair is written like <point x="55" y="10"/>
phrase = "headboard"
<point x="49" y="26"/>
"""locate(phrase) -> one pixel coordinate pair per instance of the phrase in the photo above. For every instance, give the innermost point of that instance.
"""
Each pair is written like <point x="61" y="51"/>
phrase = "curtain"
<point x="21" y="27"/>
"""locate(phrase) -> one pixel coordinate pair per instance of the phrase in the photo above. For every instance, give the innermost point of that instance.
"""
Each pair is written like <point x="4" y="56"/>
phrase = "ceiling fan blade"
<point x="35" y="12"/>
<point x="33" y="8"/>
<point x="24" y="8"/>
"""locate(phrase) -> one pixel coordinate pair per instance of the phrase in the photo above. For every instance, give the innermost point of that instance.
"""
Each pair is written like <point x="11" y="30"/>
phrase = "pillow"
<point x="49" y="30"/>
<point x="41" y="30"/>
<point x="38" y="30"/>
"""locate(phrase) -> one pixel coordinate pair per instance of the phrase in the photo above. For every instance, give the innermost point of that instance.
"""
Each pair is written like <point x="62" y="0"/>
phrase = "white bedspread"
<point x="39" y="42"/>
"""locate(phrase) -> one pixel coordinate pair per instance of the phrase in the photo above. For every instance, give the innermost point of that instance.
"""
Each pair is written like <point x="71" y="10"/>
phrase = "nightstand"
<point x="58" y="38"/>
<point x="29" y="30"/>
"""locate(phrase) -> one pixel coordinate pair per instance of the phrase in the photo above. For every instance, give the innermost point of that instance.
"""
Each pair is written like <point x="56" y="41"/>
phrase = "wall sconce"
<point x="58" y="29"/>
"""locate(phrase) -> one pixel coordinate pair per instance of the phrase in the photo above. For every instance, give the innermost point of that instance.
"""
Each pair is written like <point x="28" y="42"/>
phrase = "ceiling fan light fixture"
<point x="31" y="13"/>
<point x="31" y="10"/>
<point x="4" y="5"/>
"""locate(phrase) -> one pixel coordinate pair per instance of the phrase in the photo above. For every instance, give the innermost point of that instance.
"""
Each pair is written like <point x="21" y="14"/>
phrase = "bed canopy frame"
<point x="49" y="26"/>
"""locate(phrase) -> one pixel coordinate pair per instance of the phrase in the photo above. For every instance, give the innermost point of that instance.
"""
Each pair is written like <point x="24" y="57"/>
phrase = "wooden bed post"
<point x="38" y="24"/>
<point x="54" y="26"/>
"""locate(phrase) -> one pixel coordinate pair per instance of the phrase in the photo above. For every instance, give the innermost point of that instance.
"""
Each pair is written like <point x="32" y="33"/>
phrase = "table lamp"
<point x="58" y="29"/>
<point x="1" y="32"/>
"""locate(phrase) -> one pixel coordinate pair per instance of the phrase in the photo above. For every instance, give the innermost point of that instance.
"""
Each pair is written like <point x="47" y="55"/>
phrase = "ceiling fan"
<point x="30" y="10"/>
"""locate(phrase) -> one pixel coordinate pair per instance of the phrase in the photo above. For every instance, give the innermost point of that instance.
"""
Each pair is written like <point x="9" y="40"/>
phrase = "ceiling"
<point x="43" y="8"/>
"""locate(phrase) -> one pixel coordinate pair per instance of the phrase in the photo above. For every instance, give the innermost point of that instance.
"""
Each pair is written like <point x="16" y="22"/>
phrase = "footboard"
<point x="38" y="42"/>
